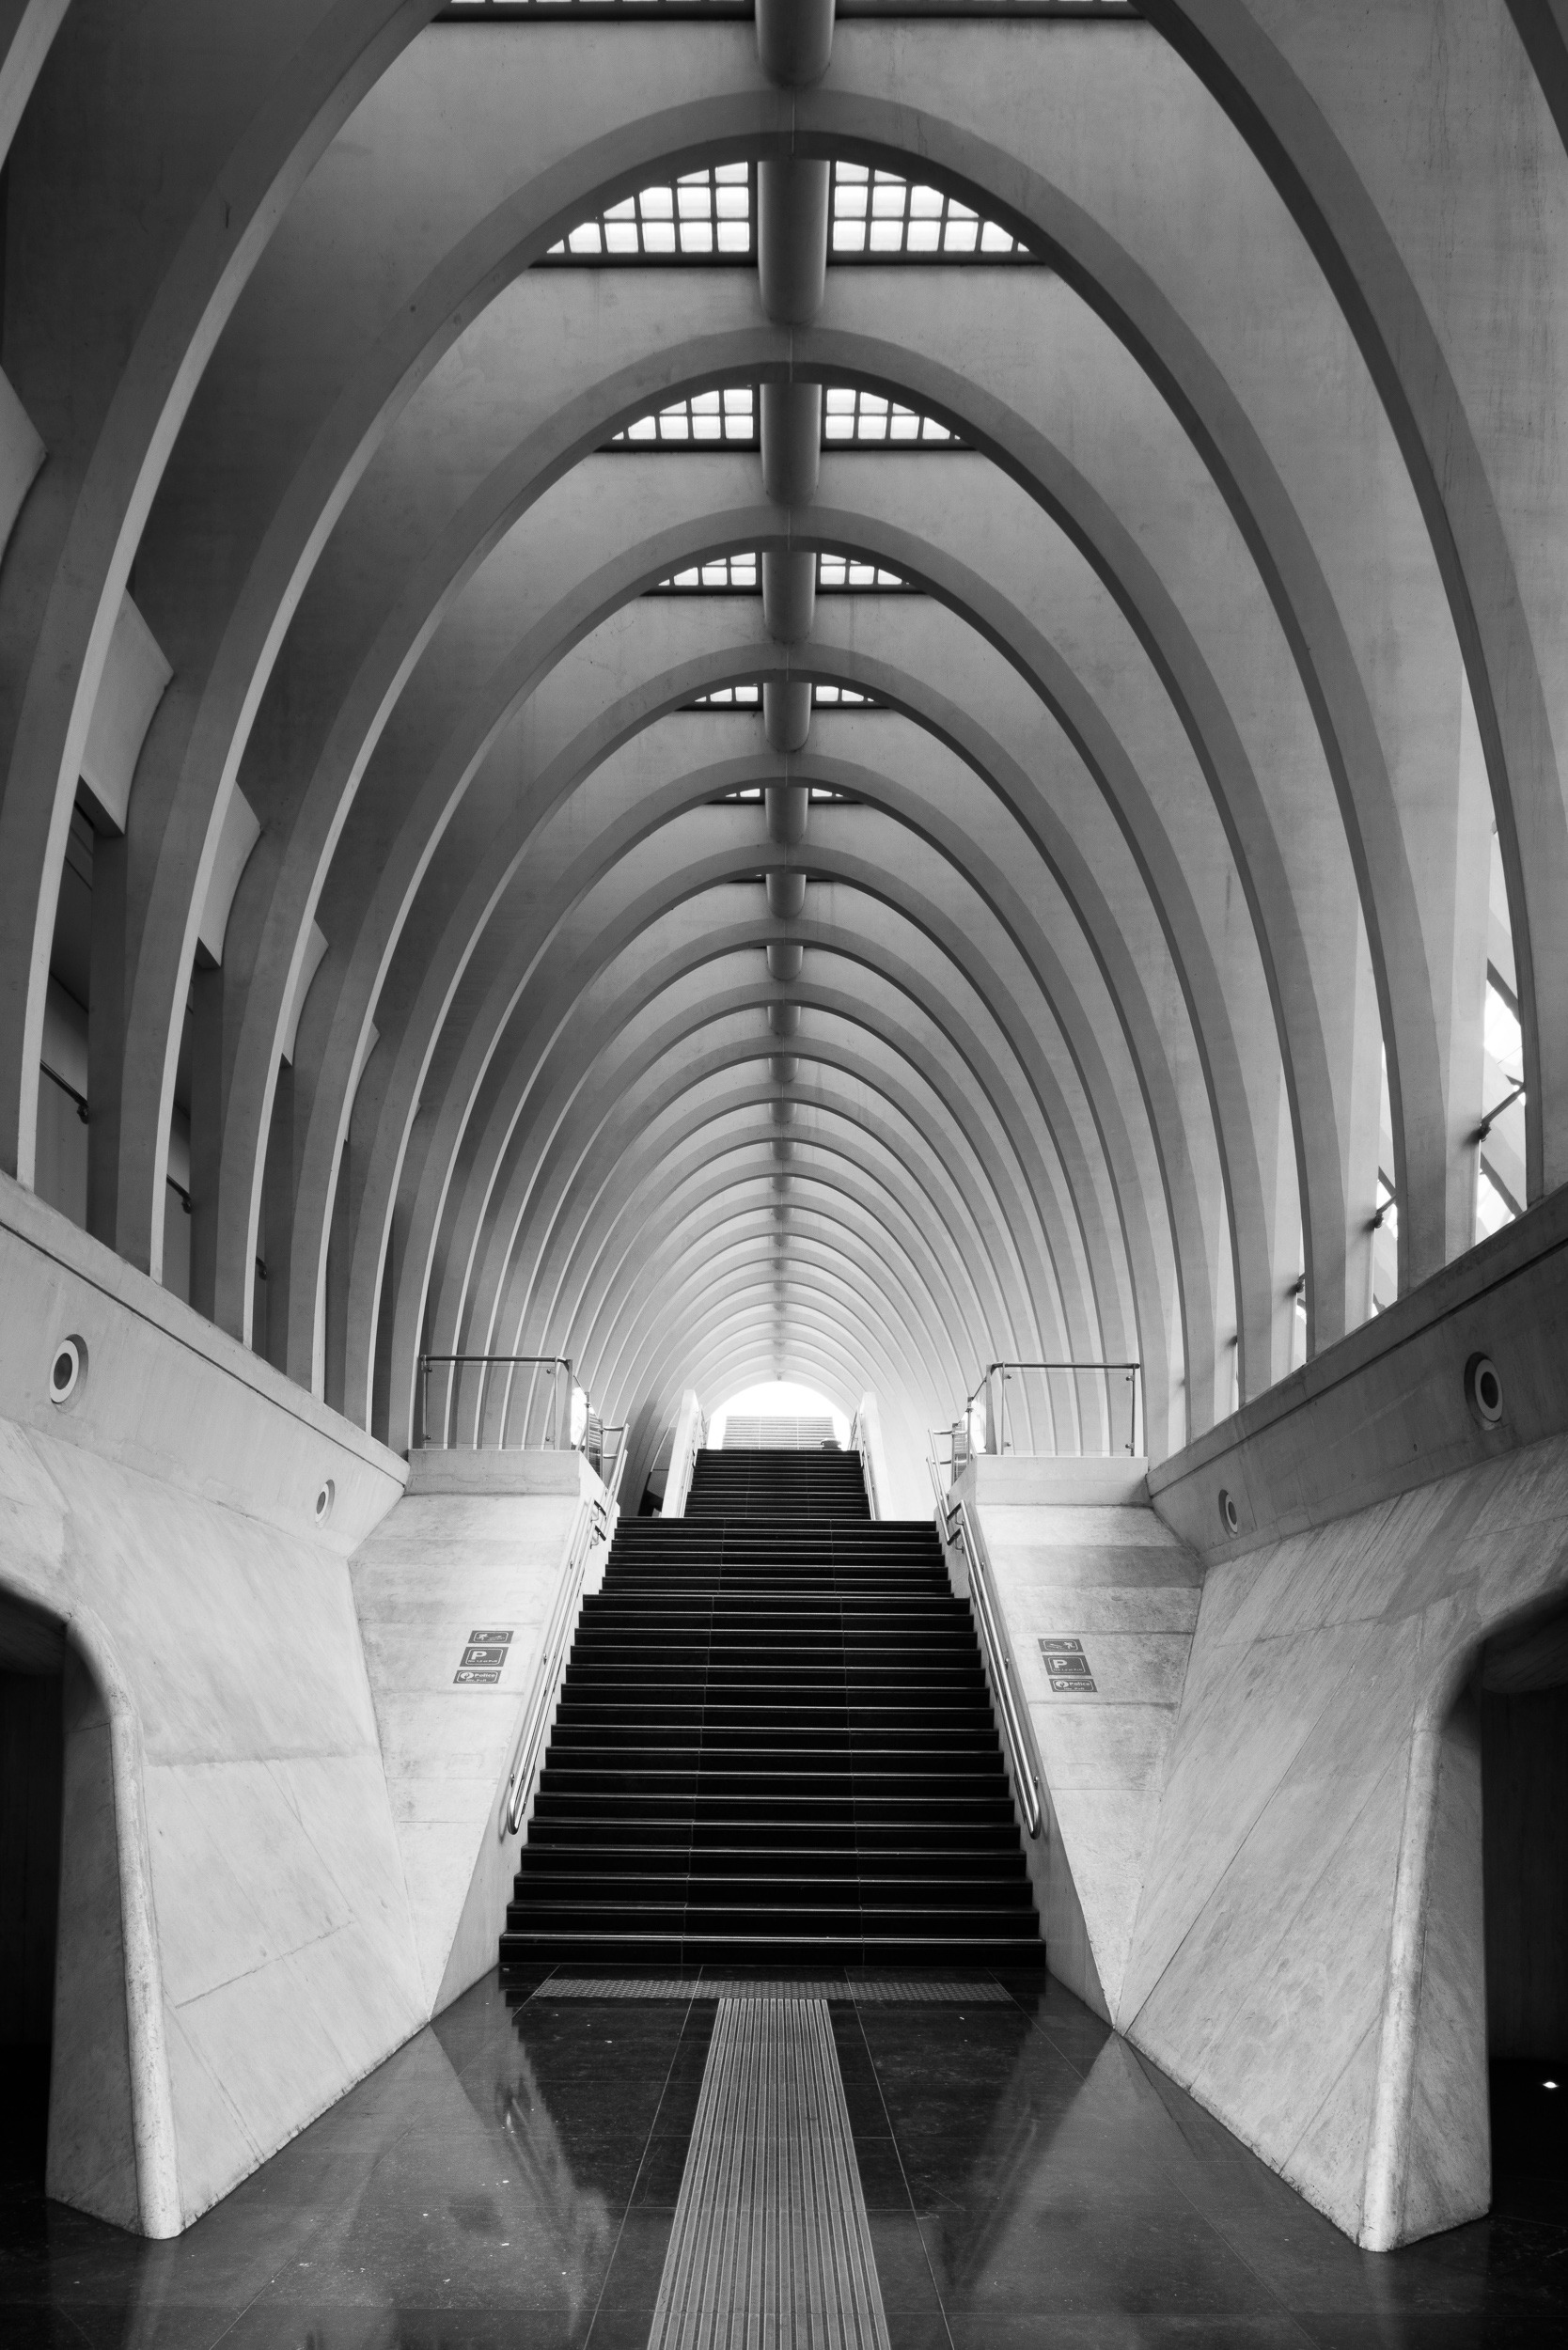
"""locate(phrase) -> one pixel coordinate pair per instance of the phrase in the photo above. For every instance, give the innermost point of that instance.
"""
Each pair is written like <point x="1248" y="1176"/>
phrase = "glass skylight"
<point x="837" y="573"/>
<point x="728" y="419"/>
<point x="750" y="698"/>
<point x="703" y="214"/>
<point x="850" y="415"/>
<point x="736" y="573"/>
<point x="710" y="216"/>
<point x="729" y="415"/>
<point x="878" y="215"/>
<point x="493" y="12"/>
<point x="741" y="576"/>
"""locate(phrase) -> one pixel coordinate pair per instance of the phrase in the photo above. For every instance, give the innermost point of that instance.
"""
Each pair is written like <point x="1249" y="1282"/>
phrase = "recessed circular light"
<point x="1483" y="1390"/>
<point x="67" y="1369"/>
<point x="1229" y="1516"/>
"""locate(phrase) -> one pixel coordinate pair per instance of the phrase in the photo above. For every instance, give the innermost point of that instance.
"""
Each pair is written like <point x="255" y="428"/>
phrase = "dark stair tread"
<point x="775" y="1744"/>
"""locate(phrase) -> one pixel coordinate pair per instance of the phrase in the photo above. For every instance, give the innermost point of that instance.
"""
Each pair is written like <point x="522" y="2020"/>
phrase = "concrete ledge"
<point x="1019" y="1480"/>
<point x="443" y="1470"/>
<point x="1385" y="1410"/>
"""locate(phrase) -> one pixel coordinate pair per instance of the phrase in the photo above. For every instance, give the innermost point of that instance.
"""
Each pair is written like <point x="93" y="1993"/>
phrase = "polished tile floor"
<point x="509" y="2178"/>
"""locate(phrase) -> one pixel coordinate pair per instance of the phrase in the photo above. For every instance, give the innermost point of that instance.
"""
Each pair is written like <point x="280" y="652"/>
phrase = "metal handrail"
<point x="700" y="1437"/>
<point x="1025" y="1776"/>
<point x="1105" y="1371"/>
<point x="613" y="1487"/>
<point x="510" y="1363"/>
<point x="591" y="1525"/>
<point x="858" y="1445"/>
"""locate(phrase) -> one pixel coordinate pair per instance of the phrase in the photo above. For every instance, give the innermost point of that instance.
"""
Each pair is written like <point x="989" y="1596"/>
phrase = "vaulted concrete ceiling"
<point x="1109" y="981"/>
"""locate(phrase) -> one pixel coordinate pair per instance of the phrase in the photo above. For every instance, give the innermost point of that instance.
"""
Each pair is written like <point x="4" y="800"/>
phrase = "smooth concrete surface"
<point x="236" y="1942"/>
<point x="688" y="1433"/>
<point x="1078" y="1557"/>
<point x="1306" y="1957"/>
<point x="491" y="1471"/>
<point x="1386" y="1411"/>
<point x="448" y="1564"/>
<point x="885" y="1502"/>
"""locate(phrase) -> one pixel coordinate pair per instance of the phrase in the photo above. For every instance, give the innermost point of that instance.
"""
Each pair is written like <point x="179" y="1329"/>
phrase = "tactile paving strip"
<point x="771" y="2243"/>
<point x="863" y="1994"/>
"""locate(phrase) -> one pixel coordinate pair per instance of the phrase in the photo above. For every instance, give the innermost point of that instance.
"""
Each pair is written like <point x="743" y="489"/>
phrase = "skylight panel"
<point x="499" y="11"/>
<point x="734" y="574"/>
<point x="750" y="698"/>
<point x="848" y="573"/>
<point x="711" y="216"/>
<point x="741" y="574"/>
<point x="704" y="215"/>
<point x="728" y="417"/>
<point x="870" y="419"/>
<point x="878" y="216"/>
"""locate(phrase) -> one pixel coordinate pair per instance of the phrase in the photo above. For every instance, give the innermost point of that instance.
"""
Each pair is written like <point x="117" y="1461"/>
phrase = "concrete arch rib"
<point x="732" y="1327"/>
<point x="720" y="1197"/>
<point x="1039" y="959"/>
<point x="708" y="1170"/>
<point x="461" y="930"/>
<point x="848" y="1088"/>
<point x="698" y="1134"/>
<point x="462" y="1303"/>
<point x="654" y="905"/>
<point x="593" y="1064"/>
<point x="820" y="1235"/>
<point x="845" y="1162"/>
<point x="1254" y="1284"/>
<point x="392" y="355"/>
<point x="292" y="118"/>
<point x="1291" y="131"/>
<point x="874" y="1093"/>
<point x="471" y="1275"/>
<point x="1106" y="273"/>
<point x="816" y="1272"/>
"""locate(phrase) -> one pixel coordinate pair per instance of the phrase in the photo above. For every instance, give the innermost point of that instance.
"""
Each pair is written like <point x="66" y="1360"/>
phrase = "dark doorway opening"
<point x="1524" y="1714"/>
<point x="32" y="1656"/>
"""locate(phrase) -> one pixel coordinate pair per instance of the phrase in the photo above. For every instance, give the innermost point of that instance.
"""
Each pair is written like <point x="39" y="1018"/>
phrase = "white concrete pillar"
<point x="795" y="40"/>
<point x="789" y="420"/>
<point x="788" y="595"/>
<point x="787" y="713"/>
<point x="791" y="237"/>
<point x="787" y="805"/>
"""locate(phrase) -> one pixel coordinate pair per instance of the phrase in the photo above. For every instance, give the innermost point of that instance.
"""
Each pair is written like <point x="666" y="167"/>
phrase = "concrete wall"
<point x="1078" y="1557"/>
<point x="1265" y="1857"/>
<point x="236" y="1945"/>
<point x="440" y="1568"/>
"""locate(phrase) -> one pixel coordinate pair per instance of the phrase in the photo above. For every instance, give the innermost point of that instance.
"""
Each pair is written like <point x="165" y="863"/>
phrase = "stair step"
<point x="775" y="1746"/>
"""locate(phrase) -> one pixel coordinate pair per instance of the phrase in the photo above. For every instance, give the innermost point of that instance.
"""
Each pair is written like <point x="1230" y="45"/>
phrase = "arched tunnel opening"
<point x="32" y="1753"/>
<point x="1524" y="1738"/>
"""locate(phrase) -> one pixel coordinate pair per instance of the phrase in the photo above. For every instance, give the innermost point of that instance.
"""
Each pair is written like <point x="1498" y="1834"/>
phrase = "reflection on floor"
<point x="510" y="2178"/>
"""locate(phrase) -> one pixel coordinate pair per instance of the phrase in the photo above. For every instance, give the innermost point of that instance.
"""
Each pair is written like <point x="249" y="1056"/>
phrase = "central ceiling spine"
<point x="794" y="41"/>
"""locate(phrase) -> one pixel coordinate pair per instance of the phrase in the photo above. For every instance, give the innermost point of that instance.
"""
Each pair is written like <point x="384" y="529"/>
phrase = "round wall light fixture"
<point x="325" y="1500"/>
<point x="1483" y="1390"/>
<point x="1229" y="1516"/>
<point x="67" y="1368"/>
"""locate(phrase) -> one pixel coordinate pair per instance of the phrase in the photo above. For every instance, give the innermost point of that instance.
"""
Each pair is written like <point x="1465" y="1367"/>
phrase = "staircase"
<point x="774" y="1746"/>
